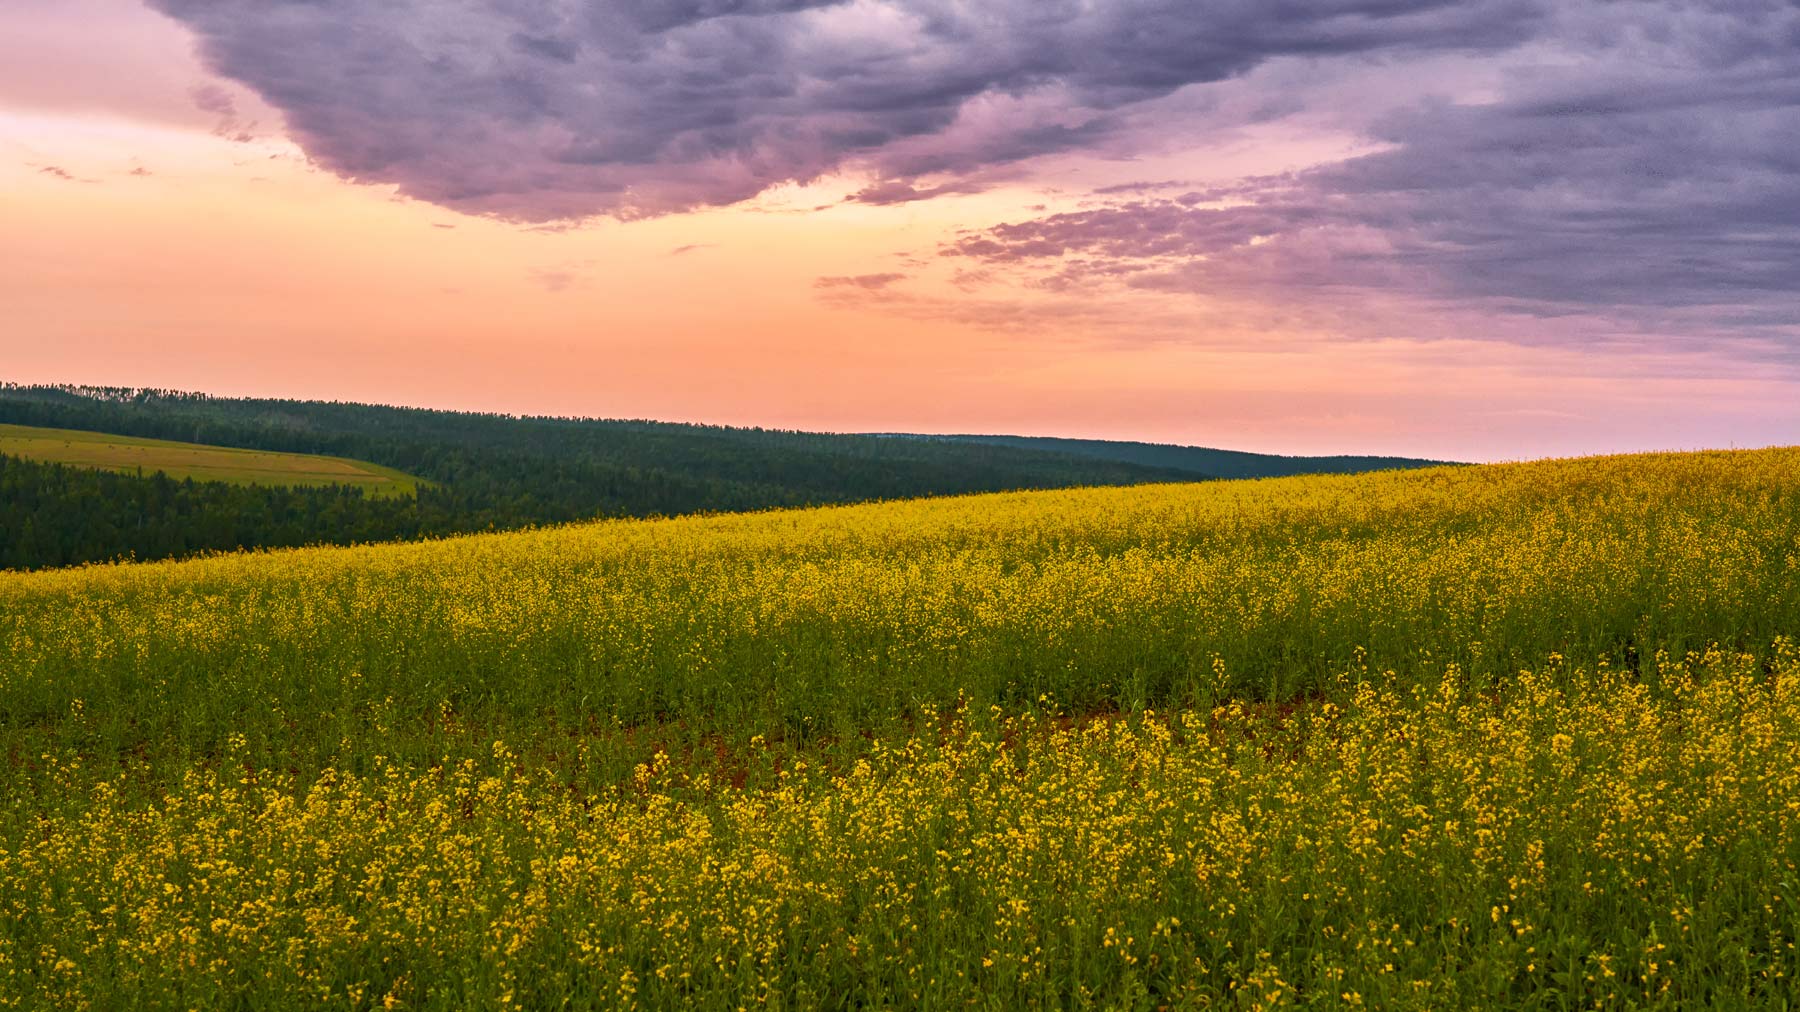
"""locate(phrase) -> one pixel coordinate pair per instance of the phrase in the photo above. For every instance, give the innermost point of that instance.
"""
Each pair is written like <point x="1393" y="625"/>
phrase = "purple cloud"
<point x="901" y="191"/>
<point x="1631" y="158"/>
<point x="1650" y="175"/>
<point x="540" y="110"/>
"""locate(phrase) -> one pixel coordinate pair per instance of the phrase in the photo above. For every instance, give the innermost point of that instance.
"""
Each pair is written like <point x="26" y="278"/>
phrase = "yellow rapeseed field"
<point x="1517" y="736"/>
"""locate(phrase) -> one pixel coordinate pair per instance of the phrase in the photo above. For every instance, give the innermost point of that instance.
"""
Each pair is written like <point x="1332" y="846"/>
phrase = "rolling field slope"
<point x="1510" y="736"/>
<point x="131" y="454"/>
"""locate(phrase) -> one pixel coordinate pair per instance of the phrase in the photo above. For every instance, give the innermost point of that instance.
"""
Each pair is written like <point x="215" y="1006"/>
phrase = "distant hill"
<point x="569" y="468"/>
<point x="479" y="472"/>
<point x="178" y="460"/>
<point x="1199" y="461"/>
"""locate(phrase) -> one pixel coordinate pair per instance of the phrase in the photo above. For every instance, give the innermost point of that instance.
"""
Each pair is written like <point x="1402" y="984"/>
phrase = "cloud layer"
<point x="1634" y="157"/>
<point x="554" y="109"/>
<point x="1641" y="163"/>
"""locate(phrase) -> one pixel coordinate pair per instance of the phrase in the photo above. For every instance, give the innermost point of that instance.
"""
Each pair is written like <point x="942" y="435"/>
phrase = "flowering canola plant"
<point x="1514" y="736"/>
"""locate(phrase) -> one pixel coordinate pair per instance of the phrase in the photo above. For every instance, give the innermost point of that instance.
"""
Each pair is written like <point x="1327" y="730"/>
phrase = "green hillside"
<point x="290" y="461"/>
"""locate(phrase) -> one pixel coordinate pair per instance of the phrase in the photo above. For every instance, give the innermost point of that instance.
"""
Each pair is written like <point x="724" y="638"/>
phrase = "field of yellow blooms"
<point x="1514" y="736"/>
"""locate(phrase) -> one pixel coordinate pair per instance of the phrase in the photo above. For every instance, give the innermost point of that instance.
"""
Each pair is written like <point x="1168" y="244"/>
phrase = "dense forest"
<point x="488" y="471"/>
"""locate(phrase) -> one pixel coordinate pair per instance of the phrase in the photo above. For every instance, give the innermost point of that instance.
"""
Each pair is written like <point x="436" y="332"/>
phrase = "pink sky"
<point x="161" y="225"/>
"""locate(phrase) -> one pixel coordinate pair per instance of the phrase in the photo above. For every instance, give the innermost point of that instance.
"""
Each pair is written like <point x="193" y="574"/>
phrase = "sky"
<point x="1480" y="230"/>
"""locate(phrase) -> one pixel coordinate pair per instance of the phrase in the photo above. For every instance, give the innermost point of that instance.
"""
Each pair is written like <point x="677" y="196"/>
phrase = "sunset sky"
<point x="1488" y="229"/>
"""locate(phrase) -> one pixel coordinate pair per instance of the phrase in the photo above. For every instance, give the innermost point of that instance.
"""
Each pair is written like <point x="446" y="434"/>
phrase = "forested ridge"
<point x="487" y="471"/>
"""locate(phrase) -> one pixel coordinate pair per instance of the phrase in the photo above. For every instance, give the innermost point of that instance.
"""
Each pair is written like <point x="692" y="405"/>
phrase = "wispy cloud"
<point x="58" y="172"/>
<point x="561" y="277"/>
<point x="866" y="282"/>
<point x="212" y="99"/>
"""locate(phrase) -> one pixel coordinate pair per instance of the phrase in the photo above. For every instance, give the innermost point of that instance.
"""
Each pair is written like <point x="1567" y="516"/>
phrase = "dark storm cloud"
<point x="1656" y="171"/>
<point x="552" y="109"/>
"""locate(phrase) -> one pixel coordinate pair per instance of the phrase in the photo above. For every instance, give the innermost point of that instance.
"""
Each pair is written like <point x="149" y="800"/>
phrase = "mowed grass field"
<point x="1513" y="736"/>
<point x="131" y="455"/>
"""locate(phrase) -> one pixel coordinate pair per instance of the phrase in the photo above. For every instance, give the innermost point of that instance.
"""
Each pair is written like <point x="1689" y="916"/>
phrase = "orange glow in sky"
<point x="148" y="239"/>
